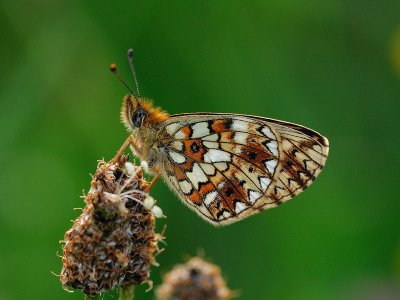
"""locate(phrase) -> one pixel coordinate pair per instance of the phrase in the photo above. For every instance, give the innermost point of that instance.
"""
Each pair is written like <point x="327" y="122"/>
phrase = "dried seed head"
<point x="112" y="242"/>
<point x="195" y="280"/>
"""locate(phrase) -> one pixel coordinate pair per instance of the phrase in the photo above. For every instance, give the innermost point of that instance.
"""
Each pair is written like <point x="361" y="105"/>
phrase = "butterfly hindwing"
<point x="227" y="167"/>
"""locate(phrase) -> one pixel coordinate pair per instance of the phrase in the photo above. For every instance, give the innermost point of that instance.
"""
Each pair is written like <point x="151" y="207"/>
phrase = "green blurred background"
<point x="330" y="65"/>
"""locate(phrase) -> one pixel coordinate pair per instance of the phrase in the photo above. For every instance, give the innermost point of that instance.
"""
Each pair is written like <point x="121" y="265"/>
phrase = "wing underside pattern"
<point x="227" y="167"/>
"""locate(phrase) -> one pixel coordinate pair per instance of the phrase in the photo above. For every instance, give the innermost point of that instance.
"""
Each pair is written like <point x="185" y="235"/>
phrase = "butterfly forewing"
<point x="227" y="167"/>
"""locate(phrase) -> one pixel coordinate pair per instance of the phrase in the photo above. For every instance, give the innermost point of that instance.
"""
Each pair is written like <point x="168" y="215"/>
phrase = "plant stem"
<point x="127" y="293"/>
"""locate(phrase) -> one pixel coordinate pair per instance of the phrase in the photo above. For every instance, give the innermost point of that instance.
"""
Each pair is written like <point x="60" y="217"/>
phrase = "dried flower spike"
<point x="195" y="280"/>
<point x="113" y="241"/>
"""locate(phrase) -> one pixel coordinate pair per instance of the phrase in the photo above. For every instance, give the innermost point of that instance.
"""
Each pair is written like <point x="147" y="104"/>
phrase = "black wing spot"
<point x="229" y="191"/>
<point x="221" y="213"/>
<point x="209" y="126"/>
<point x="228" y="124"/>
<point x="194" y="147"/>
<point x="252" y="155"/>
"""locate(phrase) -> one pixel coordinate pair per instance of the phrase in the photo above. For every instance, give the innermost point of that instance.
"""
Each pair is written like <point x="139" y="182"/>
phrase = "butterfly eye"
<point x="138" y="117"/>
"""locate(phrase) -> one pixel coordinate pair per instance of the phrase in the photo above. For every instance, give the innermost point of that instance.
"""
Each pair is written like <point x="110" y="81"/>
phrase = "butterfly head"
<point x="138" y="113"/>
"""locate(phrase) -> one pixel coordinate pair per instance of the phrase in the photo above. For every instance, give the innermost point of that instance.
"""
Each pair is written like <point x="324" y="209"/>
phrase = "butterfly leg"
<point x="154" y="180"/>
<point x="128" y="141"/>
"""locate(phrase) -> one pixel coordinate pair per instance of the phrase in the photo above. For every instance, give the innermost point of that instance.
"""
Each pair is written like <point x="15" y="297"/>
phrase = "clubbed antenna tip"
<point x="130" y="53"/>
<point x="113" y="68"/>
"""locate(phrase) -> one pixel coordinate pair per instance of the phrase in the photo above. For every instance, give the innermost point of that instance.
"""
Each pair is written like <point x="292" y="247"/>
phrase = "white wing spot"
<point x="221" y="166"/>
<point x="254" y="196"/>
<point x="273" y="147"/>
<point x="239" y="207"/>
<point x="200" y="130"/>
<point x="214" y="155"/>
<point x="271" y="165"/>
<point x="186" y="187"/>
<point x="172" y="128"/>
<point x="180" y="135"/>
<point x="264" y="182"/>
<point x="240" y="137"/>
<point x="213" y="138"/>
<point x="210" y="197"/>
<point x="317" y="147"/>
<point x="177" y="145"/>
<point x="303" y="176"/>
<point x="225" y="215"/>
<point x="221" y="185"/>
<point x="211" y="145"/>
<point x="238" y="125"/>
<point x="237" y="149"/>
<point x="176" y="157"/>
<point x="197" y="175"/>
<point x="208" y="168"/>
<point x="267" y="132"/>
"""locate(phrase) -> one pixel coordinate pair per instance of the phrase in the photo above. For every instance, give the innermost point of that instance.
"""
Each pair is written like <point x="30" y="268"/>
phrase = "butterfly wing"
<point x="227" y="166"/>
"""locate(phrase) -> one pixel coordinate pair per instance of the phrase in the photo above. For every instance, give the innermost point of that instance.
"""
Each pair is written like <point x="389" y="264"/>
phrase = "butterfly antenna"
<point x="113" y="69"/>
<point x="130" y="60"/>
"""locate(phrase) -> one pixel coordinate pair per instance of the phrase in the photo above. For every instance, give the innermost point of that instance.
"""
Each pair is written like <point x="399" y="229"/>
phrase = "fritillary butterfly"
<point x="224" y="166"/>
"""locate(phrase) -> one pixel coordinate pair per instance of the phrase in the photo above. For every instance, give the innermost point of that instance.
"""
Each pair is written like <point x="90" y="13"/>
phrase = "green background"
<point x="330" y="65"/>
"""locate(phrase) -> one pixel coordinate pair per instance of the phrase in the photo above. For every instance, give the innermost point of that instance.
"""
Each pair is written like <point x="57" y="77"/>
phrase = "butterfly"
<point x="223" y="166"/>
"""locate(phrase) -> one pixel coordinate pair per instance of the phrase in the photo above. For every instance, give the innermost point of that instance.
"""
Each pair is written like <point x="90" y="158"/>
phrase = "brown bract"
<point x="113" y="241"/>
<point x="195" y="280"/>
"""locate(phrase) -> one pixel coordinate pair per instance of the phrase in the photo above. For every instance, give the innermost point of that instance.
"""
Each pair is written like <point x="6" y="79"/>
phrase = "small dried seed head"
<point x="195" y="280"/>
<point x="145" y="166"/>
<point x="112" y="242"/>
<point x="157" y="212"/>
<point x="149" y="202"/>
